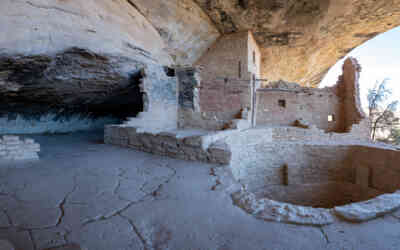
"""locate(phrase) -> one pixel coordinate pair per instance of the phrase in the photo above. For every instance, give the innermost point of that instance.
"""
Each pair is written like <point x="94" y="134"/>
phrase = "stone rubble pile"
<point x="13" y="148"/>
<point x="281" y="84"/>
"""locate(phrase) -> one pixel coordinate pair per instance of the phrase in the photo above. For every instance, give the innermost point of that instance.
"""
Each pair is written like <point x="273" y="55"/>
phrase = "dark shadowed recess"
<point x="73" y="82"/>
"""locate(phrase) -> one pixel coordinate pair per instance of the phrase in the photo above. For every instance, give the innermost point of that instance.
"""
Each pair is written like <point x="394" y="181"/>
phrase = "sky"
<point x="379" y="59"/>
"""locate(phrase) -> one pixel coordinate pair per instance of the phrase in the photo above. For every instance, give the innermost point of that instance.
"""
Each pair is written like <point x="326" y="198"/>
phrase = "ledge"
<point x="371" y="209"/>
<point x="270" y="210"/>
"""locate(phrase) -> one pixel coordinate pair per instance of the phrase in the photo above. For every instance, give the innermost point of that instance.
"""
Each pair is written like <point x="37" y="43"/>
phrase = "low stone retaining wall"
<point x="12" y="148"/>
<point x="189" y="146"/>
<point x="271" y="210"/>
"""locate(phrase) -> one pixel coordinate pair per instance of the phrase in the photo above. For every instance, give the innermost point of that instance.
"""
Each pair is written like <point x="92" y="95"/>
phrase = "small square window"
<point x="282" y="103"/>
<point x="331" y="118"/>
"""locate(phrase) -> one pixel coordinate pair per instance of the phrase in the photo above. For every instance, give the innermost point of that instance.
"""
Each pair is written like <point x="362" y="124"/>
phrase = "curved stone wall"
<point x="298" y="178"/>
<point x="311" y="162"/>
<point x="324" y="194"/>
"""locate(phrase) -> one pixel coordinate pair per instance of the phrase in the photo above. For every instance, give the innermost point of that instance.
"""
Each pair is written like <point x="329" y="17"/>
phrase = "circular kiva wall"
<point x="325" y="194"/>
<point x="316" y="184"/>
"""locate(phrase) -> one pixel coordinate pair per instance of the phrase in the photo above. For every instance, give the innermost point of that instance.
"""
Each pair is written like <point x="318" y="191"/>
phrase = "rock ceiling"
<point x="300" y="39"/>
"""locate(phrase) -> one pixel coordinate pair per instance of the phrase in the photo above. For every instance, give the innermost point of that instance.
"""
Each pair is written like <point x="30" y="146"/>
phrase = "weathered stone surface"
<point x="12" y="148"/>
<point x="334" y="109"/>
<point x="317" y="194"/>
<point x="277" y="211"/>
<point x="301" y="40"/>
<point x="186" y="30"/>
<point x="73" y="81"/>
<point x="367" y="210"/>
<point x="118" y="198"/>
<point x="281" y="84"/>
<point x="188" y="145"/>
<point x="74" y="61"/>
<point x="47" y="27"/>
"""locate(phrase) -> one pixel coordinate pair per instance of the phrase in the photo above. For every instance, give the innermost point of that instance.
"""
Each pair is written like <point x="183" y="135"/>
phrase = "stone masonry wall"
<point x="313" y="134"/>
<point x="225" y="73"/>
<point x="260" y="161"/>
<point x="212" y="103"/>
<point x="348" y="87"/>
<point x="284" y="107"/>
<point x="253" y="57"/>
<point x="186" y="147"/>
<point x="12" y="148"/>
<point x="160" y="94"/>
<point x="377" y="167"/>
<point x="306" y="163"/>
<point x="326" y="194"/>
<point x="222" y="59"/>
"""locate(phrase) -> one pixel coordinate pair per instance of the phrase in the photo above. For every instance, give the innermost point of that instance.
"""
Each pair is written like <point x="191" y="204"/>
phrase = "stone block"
<point x="14" y="149"/>
<point x="32" y="147"/>
<point x="29" y="141"/>
<point x="12" y="143"/>
<point x="10" y="138"/>
<point x="367" y="210"/>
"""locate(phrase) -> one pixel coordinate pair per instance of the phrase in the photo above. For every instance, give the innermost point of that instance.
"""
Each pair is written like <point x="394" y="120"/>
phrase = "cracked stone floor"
<point x="111" y="198"/>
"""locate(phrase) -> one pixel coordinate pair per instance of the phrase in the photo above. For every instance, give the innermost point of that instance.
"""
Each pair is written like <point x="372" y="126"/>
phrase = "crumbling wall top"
<point x="348" y="88"/>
